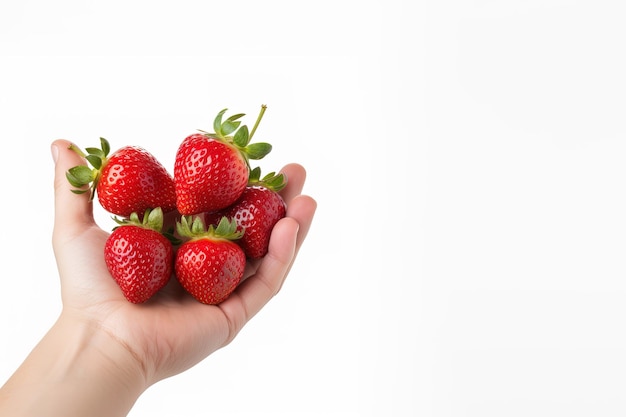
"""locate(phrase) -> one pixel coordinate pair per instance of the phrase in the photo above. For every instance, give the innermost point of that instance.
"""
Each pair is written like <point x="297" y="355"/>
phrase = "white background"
<point x="467" y="256"/>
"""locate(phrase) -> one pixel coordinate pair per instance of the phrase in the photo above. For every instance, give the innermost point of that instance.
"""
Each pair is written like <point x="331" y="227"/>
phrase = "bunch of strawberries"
<point x="224" y="210"/>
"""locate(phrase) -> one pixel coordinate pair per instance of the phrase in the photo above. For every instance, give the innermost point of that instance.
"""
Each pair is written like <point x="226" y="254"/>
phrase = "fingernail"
<point x="54" y="149"/>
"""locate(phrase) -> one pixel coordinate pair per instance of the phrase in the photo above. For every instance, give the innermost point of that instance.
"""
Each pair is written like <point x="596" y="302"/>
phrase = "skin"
<point x="103" y="352"/>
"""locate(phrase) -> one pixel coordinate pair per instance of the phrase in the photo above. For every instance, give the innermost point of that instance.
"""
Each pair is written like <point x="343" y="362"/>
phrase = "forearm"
<point x="76" y="370"/>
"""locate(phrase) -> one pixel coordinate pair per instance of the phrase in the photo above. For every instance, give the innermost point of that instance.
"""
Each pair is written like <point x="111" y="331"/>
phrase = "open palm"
<point x="172" y="331"/>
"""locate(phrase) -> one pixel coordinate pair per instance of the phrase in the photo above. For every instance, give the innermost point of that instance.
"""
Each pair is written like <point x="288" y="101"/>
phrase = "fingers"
<point x="72" y="212"/>
<point x="287" y="237"/>
<point x="255" y="292"/>
<point x="296" y="175"/>
<point x="302" y="209"/>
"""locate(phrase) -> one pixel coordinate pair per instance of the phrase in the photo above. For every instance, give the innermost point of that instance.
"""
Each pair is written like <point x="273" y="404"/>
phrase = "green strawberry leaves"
<point x="257" y="150"/>
<point x="151" y="219"/>
<point x="82" y="175"/>
<point x="194" y="228"/>
<point x="223" y="129"/>
<point x="273" y="181"/>
<point x="231" y="131"/>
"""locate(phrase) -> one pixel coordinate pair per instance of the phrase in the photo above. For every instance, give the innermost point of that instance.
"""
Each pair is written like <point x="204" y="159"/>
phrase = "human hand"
<point x="172" y="331"/>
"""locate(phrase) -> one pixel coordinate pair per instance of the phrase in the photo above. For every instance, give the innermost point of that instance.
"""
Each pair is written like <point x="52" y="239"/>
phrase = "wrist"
<point x="76" y="365"/>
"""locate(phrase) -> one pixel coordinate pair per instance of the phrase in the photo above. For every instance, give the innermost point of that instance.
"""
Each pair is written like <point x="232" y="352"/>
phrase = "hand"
<point x="173" y="331"/>
<point x="122" y="348"/>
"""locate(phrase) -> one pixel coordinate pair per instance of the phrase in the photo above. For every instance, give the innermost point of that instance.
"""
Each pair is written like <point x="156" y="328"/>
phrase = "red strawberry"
<point x="139" y="258"/>
<point x="130" y="180"/>
<point x="209" y="265"/>
<point x="211" y="169"/>
<point x="256" y="212"/>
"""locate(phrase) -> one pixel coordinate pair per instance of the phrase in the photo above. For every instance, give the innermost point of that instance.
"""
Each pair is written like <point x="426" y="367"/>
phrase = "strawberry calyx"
<point x="232" y="132"/>
<point x="82" y="175"/>
<point x="194" y="228"/>
<point x="272" y="181"/>
<point x="151" y="219"/>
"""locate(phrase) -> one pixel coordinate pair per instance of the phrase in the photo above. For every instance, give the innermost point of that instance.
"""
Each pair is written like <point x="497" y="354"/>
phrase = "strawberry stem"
<point x="77" y="150"/>
<point x="258" y="120"/>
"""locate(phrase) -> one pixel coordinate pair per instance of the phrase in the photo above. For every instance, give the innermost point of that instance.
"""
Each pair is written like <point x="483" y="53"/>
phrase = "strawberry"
<point x="211" y="169"/>
<point x="139" y="258"/>
<point x="256" y="212"/>
<point x="209" y="265"/>
<point x="130" y="180"/>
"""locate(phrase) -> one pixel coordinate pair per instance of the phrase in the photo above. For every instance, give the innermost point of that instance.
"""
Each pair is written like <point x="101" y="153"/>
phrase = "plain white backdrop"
<point x="467" y="256"/>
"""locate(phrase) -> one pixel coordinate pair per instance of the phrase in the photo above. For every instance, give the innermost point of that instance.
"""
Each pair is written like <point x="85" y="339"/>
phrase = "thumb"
<point x="73" y="213"/>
